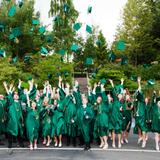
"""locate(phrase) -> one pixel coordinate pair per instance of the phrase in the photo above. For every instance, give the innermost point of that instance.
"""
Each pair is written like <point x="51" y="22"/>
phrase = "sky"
<point x="106" y="14"/>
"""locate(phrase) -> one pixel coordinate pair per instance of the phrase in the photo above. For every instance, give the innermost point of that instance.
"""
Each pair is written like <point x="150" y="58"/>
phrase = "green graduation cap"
<point x="66" y="7"/>
<point x="121" y="45"/>
<point x="89" y="61"/>
<point x="26" y="59"/>
<point x="89" y="29"/>
<point x="151" y="82"/>
<point x="2" y="53"/>
<point x="56" y="19"/>
<point x="14" y="60"/>
<point x="124" y="61"/>
<point x="12" y="11"/>
<point x="103" y="81"/>
<point x="66" y="74"/>
<point x="44" y="50"/>
<point x="146" y="66"/>
<point x="74" y="47"/>
<point x="16" y="31"/>
<point x="133" y="78"/>
<point x="49" y="39"/>
<point x="20" y="3"/>
<point x="2" y="28"/>
<point x="89" y="9"/>
<point x="111" y="57"/>
<point x="77" y="26"/>
<point x="30" y="78"/>
<point x="42" y="30"/>
<point x="49" y="76"/>
<point x="35" y="22"/>
<point x="62" y="52"/>
<point x="98" y="43"/>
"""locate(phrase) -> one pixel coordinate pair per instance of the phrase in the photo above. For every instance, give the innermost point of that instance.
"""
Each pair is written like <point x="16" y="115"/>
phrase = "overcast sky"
<point x="106" y="14"/>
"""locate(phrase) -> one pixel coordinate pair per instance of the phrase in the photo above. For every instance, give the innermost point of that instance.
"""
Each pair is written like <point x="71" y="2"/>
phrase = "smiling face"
<point x="15" y="97"/>
<point x="84" y="100"/>
<point x="33" y="105"/>
<point x="120" y="97"/>
<point x="99" y="100"/>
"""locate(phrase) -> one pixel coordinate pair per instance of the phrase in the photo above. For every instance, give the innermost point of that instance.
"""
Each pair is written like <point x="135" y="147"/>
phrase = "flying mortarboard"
<point x="121" y="45"/>
<point x="2" y="53"/>
<point x="111" y="57"/>
<point x="14" y="60"/>
<point x="16" y="32"/>
<point x="103" y="81"/>
<point x="124" y="61"/>
<point x="133" y="78"/>
<point x="49" y="76"/>
<point x="61" y="52"/>
<point x="20" y="3"/>
<point x="74" y="47"/>
<point x="98" y="43"/>
<point x="42" y="30"/>
<point x="12" y="11"/>
<point x="66" y="7"/>
<point x="77" y="26"/>
<point x="151" y="82"/>
<point x="35" y="22"/>
<point x="26" y="59"/>
<point x="30" y="78"/>
<point x="89" y="9"/>
<point x="89" y="61"/>
<point x="44" y="50"/>
<point x="89" y="29"/>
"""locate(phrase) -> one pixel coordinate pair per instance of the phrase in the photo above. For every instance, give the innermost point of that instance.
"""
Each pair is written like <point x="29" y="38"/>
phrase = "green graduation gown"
<point x="2" y="116"/>
<point x="70" y="112"/>
<point x="14" y="117"/>
<point x="32" y="124"/>
<point x="84" y="118"/>
<point x="57" y="120"/>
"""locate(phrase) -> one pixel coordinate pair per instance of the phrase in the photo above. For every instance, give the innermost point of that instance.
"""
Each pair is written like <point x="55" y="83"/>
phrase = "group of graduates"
<point x="54" y="112"/>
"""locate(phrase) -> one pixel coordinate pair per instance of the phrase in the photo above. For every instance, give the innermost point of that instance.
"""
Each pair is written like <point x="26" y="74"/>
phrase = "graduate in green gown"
<point x="15" y="123"/>
<point x="127" y="118"/>
<point x="140" y="115"/>
<point x="32" y="122"/>
<point x="70" y="112"/>
<point x="84" y="117"/>
<point x="45" y="117"/>
<point x="156" y="119"/>
<point x="101" y="127"/>
<point x="2" y="116"/>
<point x="57" y="120"/>
<point x="148" y="116"/>
<point x="117" y="113"/>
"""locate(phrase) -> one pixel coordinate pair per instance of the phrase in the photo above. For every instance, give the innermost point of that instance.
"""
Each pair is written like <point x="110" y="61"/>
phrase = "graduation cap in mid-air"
<point x="121" y="45"/>
<point x="74" y="47"/>
<point x="62" y="52"/>
<point x="44" y="51"/>
<point x="26" y="59"/>
<point x="66" y="8"/>
<point x="12" y="11"/>
<point x="20" y="3"/>
<point x="42" y="29"/>
<point x="77" y="26"/>
<point x="89" y="61"/>
<point x="89" y="29"/>
<point x="111" y="57"/>
<point x="103" y="81"/>
<point x="49" y="76"/>
<point x="151" y="82"/>
<point x="2" y="53"/>
<point x="133" y="78"/>
<point x="35" y="22"/>
<point x="89" y="9"/>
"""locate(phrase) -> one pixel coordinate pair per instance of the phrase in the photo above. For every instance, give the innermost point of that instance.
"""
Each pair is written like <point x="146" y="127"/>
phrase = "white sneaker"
<point x="122" y="142"/>
<point x="126" y="141"/>
<point x="101" y="145"/>
<point x="119" y="145"/>
<point x="139" y="140"/>
<point x="105" y="146"/>
<point x="143" y="144"/>
<point x="56" y="144"/>
<point x="35" y="146"/>
<point x="31" y="147"/>
<point x="113" y="145"/>
<point x="157" y="147"/>
<point x="44" y="142"/>
<point x="60" y="145"/>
